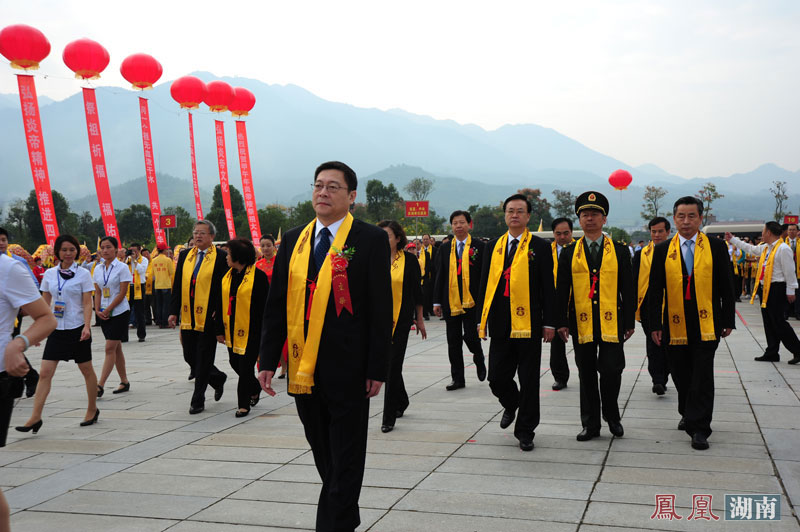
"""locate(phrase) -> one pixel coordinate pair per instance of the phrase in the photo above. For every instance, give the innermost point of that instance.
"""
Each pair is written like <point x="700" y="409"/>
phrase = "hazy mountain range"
<point x="291" y="131"/>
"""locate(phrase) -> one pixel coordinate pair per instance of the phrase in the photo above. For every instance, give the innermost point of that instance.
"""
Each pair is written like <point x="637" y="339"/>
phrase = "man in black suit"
<point x="691" y="334"/>
<point x="426" y="267"/>
<point x="559" y="367"/>
<point x="198" y="334"/>
<point x="598" y="308"/>
<point x="461" y="321"/>
<point x="516" y="346"/>
<point x="642" y="262"/>
<point x="338" y="349"/>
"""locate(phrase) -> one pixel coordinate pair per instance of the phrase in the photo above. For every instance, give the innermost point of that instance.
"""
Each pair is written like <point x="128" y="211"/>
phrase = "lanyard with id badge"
<point x="59" y="305"/>
<point x="106" y="290"/>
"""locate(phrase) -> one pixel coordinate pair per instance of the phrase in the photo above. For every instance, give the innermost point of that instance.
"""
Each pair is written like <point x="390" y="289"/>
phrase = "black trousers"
<point x="462" y="328"/>
<point x="10" y="389"/>
<point x="606" y="359"/>
<point x="199" y="351"/>
<point x="162" y="296"/>
<point x="559" y="366"/>
<point x="395" y="397"/>
<point x="520" y="356"/>
<point x="244" y="366"/>
<point x="776" y="328"/>
<point x="148" y="307"/>
<point x="427" y="297"/>
<point x="137" y="313"/>
<point x="336" y="429"/>
<point x="657" y="365"/>
<point x="692" y="368"/>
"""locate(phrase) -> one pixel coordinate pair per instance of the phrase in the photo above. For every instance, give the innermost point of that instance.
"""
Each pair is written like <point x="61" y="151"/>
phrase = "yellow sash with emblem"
<point x="645" y="263"/>
<point x="703" y="275"/>
<point x="585" y="284"/>
<point x="137" y="282"/>
<point x="423" y="261"/>
<point x="519" y="286"/>
<point x="202" y="288"/>
<point x="303" y="349"/>
<point x="767" y="269"/>
<point x="241" y="322"/>
<point x="398" y="269"/>
<point x="458" y="304"/>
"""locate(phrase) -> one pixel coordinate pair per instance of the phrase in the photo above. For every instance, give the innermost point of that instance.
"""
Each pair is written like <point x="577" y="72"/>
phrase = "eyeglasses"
<point x="199" y="233"/>
<point x="333" y="188"/>
<point x="518" y="211"/>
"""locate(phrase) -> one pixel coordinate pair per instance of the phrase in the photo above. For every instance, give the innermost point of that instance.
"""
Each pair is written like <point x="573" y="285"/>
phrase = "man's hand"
<point x="790" y="298"/>
<point x="628" y="334"/>
<point x="437" y="309"/>
<point x="265" y="380"/>
<point x="728" y="236"/>
<point x="16" y="365"/>
<point x="172" y="321"/>
<point x="563" y="332"/>
<point x="421" y="329"/>
<point x="373" y="388"/>
<point x="548" y="333"/>
<point x="726" y="332"/>
<point x="221" y="338"/>
<point x="656" y="336"/>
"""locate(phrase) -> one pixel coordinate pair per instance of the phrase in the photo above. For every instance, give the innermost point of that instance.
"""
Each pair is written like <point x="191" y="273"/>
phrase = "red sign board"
<point x="791" y="219"/>
<point x="168" y="221"/>
<point x="416" y="209"/>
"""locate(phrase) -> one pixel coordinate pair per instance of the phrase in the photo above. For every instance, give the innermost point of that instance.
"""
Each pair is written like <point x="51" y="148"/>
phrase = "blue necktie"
<point x="198" y="263"/>
<point x="322" y="247"/>
<point x="688" y="256"/>
<point x="459" y="249"/>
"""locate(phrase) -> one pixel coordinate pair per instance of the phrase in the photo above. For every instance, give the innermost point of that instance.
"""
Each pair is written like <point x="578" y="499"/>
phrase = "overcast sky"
<point x="699" y="88"/>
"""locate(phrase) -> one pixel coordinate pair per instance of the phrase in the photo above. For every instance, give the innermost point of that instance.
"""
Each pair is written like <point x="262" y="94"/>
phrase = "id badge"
<point x="58" y="309"/>
<point x="106" y="292"/>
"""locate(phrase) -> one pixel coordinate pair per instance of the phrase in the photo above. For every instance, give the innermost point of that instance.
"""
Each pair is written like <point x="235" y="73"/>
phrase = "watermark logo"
<point x="753" y="507"/>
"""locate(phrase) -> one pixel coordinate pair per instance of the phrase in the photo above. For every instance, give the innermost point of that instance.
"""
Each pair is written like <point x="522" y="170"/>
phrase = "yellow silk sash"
<point x="607" y="284"/>
<point x="519" y="286"/>
<point x="202" y="288"/>
<point x="645" y="262"/>
<point x="137" y="284"/>
<point x="703" y="275"/>
<point x="457" y="305"/>
<point x="241" y="322"/>
<point x="423" y="261"/>
<point x="767" y="273"/>
<point x="303" y="349"/>
<point x="398" y="269"/>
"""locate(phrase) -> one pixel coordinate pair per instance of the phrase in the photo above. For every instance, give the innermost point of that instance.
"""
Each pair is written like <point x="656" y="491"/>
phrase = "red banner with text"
<point x="150" y="173"/>
<point x="99" y="164"/>
<point x="219" y="128"/>
<point x="416" y="209"/>
<point x="247" y="182"/>
<point x="33" y="136"/>
<point x="198" y="206"/>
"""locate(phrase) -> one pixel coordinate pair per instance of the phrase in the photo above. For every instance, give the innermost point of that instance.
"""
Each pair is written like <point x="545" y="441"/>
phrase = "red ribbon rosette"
<point x="340" y="285"/>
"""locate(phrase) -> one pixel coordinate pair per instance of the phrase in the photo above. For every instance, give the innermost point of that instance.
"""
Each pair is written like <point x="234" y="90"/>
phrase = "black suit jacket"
<point x="412" y="293"/>
<point x="353" y="347"/>
<point x="428" y="277"/>
<point x="441" y="285"/>
<point x="542" y="291"/>
<point x="220" y="269"/>
<point x="722" y="298"/>
<point x="626" y="295"/>
<point x="258" y="299"/>
<point x="636" y="264"/>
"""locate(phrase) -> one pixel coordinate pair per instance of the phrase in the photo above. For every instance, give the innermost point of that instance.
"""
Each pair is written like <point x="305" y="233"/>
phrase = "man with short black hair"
<point x="138" y="266"/>
<point x="559" y="367"/>
<point x="426" y="267"/>
<point x="792" y="241"/>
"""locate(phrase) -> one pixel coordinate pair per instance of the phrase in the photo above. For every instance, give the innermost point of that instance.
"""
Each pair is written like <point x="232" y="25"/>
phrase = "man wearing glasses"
<point x="196" y="291"/>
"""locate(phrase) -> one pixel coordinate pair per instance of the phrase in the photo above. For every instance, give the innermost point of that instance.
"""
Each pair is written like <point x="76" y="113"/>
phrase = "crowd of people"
<point x="334" y="302"/>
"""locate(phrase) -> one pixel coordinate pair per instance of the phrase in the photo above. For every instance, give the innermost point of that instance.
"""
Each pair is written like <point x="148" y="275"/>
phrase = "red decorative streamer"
<point x="247" y="181"/>
<point x="197" y="204"/>
<point x="150" y="173"/>
<point x="33" y="136"/>
<point x="99" y="164"/>
<point x="219" y="127"/>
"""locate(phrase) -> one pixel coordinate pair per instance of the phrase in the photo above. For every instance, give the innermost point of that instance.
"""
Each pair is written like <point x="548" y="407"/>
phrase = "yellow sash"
<point x="796" y="255"/>
<point x="241" y="323"/>
<point x="554" y="247"/>
<point x="398" y="269"/>
<point x="645" y="262"/>
<point x="137" y="284"/>
<point x="703" y="275"/>
<point x="767" y="272"/>
<point x="606" y="283"/>
<point x="457" y="305"/>
<point x="303" y="349"/>
<point x="148" y="284"/>
<point x="519" y="286"/>
<point x="202" y="288"/>
<point x="422" y="261"/>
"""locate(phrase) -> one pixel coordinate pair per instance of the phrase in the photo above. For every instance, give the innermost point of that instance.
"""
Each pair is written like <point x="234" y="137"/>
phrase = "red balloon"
<point x="141" y="70"/>
<point x="188" y="91"/>
<point x="86" y="58"/>
<point x="24" y="46"/>
<point x="243" y="102"/>
<point x="219" y="96"/>
<point x="620" y="179"/>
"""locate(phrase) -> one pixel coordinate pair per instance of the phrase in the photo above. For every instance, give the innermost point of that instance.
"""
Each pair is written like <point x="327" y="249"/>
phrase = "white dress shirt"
<point x="70" y="292"/>
<point x="111" y="278"/>
<point x="333" y="228"/>
<point x="783" y="269"/>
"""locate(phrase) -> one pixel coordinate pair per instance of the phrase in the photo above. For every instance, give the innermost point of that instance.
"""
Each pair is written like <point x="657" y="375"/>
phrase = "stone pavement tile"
<point x="34" y="521"/>
<point x="17" y="476"/>
<point x="638" y="517"/>
<point x="265" y="440"/>
<point x="127" y="504"/>
<point x="235" y="454"/>
<point x="204" y="468"/>
<point x="200" y="526"/>
<point x="308" y="493"/>
<point x="279" y="514"/>
<point x="115" y="414"/>
<point x="539" y="454"/>
<point x="422" y="436"/>
<point x="778" y="396"/>
<point x="139" y="452"/>
<point x="403" y="521"/>
<point x="695" y="479"/>
<point x="731" y="450"/>
<point x="784" y="444"/>
<point x="168" y="484"/>
<point x="506" y="506"/>
<point x="747" y="438"/>
<point x="546" y="436"/>
<point x="778" y="417"/>
<point x="520" y="468"/>
<point x="42" y="445"/>
<point x="38" y="491"/>
<point x="405" y="462"/>
<point x="496" y="485"/>
<point x="53" y="460"/>
<point x="430" y="425"/>
<point x="381" y="478"/>
<point x="738" y="417"/>
<point x="692" y="462"/>
<point x="412" y="447"/>
<point x="10" y="457"/>
<point x="790" y="474"/>
<point x="133" y="436"/>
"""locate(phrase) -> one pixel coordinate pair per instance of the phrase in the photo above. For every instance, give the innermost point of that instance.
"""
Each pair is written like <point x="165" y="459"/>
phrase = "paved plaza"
<point x="150" y="466"/>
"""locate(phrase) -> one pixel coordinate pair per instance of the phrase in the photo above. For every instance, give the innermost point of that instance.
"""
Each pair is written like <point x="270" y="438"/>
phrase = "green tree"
<point x="14" y="223"/>
<point x="708" y="194"/>
<point x="778" y="190"/>
<point x="216" y="214"/>
<point x="383" y="202"/>
<point x="652" y="202"/>
<point x="540" y="208"/>
<point x="67" y="221"/>
<point x="135" y="224"/>
<point x="618" y="235"/>
<point x="488" y="221"/>
<point x="419" y="188"/>
<point x="273" y="219"/>
<point x="301" y="214"/>
<point x="564" y="204"/>
<point x="89" y="228"/>
<point x="184" y="225"/>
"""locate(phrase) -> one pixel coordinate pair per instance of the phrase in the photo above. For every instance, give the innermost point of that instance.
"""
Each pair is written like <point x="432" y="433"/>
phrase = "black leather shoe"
<point x="526" y="445"/>
<point x="559" y="385"/>
<point x="682" y="424"/>
<point x="100" y="391"/>
<point x="454" y="386"/>
<point x="480" y="367"/>
<point x="141" y="340"/>
<point x="196" y="409"/>
<point x="93" y="420"/>
<point x="30" y="428"/>
<point x="191" y="375"/>
<point x="794" y="361"/>
<point x="768" y="358"/>
<point x="699" y="442"/>
<point x="219" y="391"/>
<point x="399" y="413"/>
<point x="387" y="428"/>
<point x="123" y="387"/>
<point x="587" y="434"/>
<point x="508" y="418"/>
<point x="659" y="389"/>
<point x="616" y="429"/>
<point x="241" y="413"/>
<point x="30" y="384"/>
